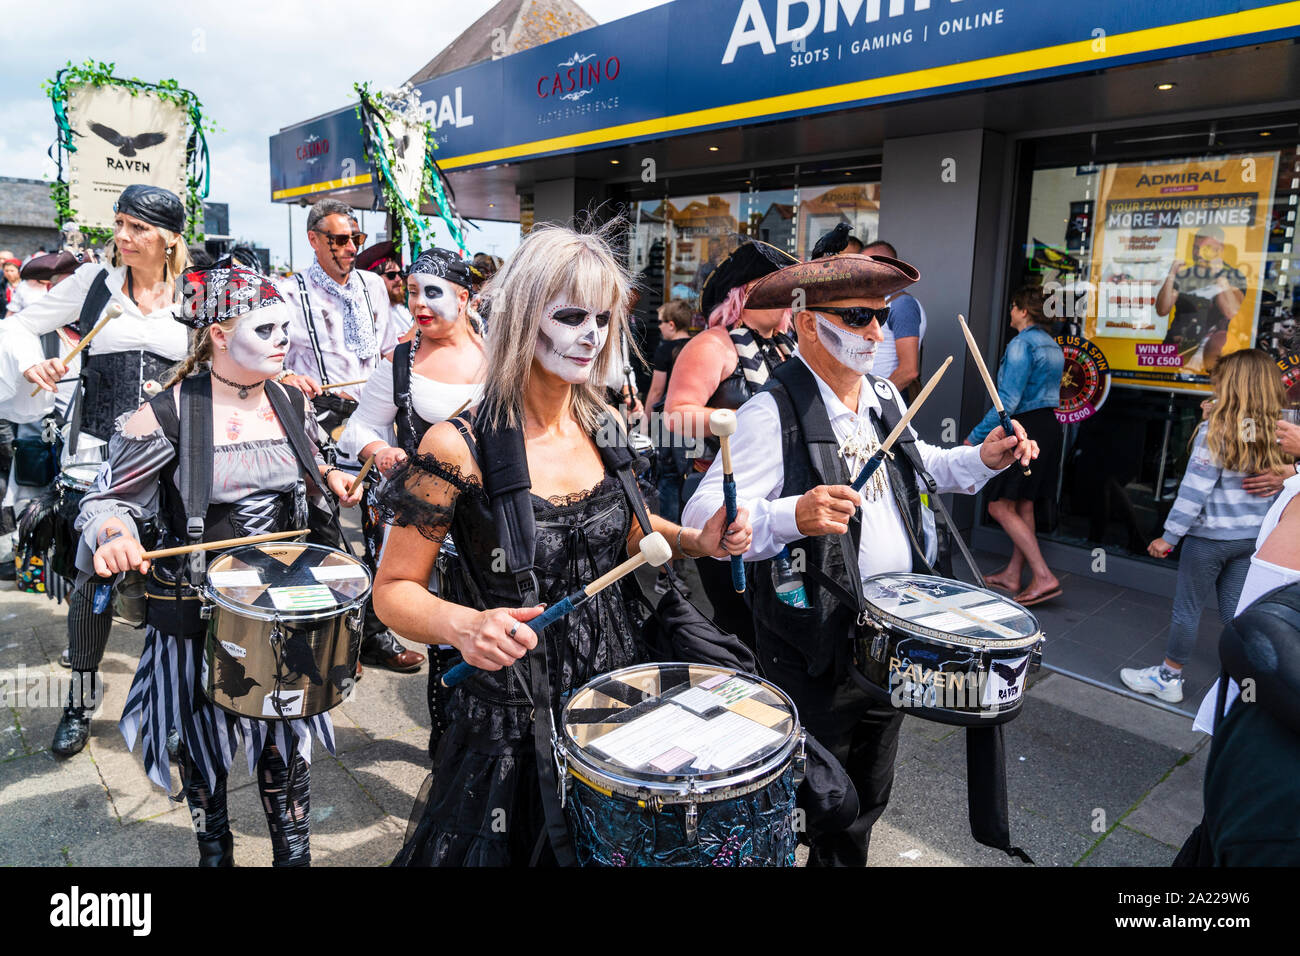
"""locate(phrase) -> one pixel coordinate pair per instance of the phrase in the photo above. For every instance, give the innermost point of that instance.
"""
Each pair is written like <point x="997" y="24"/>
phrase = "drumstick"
<point x="1003" y="417"/>
<point x="113" y="312"/>
<point x="361" y="475"/>
<point x="357" y="381"/>
<point x="874" y="461"/>
<point x="228" y="543"/>
<point x="723" y="424"/>
<point x="654" y="550"/>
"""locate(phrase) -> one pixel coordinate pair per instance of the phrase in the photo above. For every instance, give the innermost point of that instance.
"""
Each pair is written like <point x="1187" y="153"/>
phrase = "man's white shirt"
<point x="759" y="470"/>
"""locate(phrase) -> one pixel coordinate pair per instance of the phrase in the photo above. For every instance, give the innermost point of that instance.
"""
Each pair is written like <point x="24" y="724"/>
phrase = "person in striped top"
<point x="1214" y="516"/>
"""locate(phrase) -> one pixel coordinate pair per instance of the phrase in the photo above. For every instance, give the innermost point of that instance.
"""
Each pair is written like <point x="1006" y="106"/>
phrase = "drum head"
<point x="80" y="475"/>
<point x="947" y="610"/>
<point x="666" y="728"/>
<point x="287" y="580"/>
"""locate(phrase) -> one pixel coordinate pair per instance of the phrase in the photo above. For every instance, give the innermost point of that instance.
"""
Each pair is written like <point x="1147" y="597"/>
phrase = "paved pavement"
<point x="1095" y="778"/>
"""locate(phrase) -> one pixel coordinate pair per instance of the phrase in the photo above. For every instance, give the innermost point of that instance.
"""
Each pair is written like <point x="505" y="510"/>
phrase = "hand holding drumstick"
<point x="47" y="375"/>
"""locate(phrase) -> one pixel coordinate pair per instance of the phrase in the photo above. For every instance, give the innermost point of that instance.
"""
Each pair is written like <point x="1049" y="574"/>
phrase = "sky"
<point x="256" y="65"/>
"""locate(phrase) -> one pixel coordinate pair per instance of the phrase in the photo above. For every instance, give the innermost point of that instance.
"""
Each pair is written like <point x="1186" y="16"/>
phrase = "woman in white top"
<point x="135" y="349"/>
<point x="1275" y="563"/>
<point x="427" y="380"/>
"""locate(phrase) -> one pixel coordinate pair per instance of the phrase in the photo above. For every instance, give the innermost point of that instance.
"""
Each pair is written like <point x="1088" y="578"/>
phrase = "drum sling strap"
<point x="504" y="464"/>
<point x="986" y="774"/>
<point x="97" y="297"/>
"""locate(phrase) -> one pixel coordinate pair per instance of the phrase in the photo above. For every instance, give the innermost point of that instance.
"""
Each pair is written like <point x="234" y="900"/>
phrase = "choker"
<point x="243" y="389"/>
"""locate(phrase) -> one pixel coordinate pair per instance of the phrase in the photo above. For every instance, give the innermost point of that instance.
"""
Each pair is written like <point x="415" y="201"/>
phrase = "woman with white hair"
<point x="559" y="306"/>
<point x="123" y="367"/>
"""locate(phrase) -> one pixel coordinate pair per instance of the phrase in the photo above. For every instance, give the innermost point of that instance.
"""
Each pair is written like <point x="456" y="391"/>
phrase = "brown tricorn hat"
<point x="832" y="279"/>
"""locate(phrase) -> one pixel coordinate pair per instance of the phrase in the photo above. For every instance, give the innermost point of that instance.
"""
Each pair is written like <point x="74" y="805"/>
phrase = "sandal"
<point x="1029" y="597"/>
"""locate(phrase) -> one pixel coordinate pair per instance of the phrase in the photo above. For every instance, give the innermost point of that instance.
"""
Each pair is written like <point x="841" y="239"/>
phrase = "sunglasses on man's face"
<point x="358" y="239"/>
<point x="392" y="274"/>
<point x="859" y="316"/>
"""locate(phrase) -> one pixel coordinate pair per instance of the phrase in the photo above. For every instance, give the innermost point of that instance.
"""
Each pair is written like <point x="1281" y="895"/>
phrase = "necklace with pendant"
<point x="243" y="389"/>
<point x="856" y="450"/>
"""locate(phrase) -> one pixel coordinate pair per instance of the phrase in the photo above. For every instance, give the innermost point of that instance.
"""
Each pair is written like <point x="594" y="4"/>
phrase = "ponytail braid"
<point x="200" y="354"/>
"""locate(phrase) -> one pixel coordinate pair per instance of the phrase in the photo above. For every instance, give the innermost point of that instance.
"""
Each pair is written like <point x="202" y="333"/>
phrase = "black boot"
<point x="218" y="852"/>
<point x="74" y="727"/>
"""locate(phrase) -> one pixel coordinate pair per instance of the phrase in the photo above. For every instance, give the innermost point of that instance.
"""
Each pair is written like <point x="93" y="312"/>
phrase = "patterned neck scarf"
<point x="358" y="324"/>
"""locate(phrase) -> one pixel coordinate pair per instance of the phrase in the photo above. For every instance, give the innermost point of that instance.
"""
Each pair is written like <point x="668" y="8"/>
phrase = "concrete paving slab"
<point x="1124" y="847"/>
<point x="391" y="772"/>
<point x="1122" y="713"/>
<point x="1175" y="806"/>
<point x="48" y="807"/>
<point x="386" y="704"/>
<point x="1115" y="639"/>
<point x="166" y="840"/>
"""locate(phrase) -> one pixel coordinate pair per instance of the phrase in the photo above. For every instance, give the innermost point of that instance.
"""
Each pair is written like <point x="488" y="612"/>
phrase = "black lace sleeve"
<point x="421" y="493"/>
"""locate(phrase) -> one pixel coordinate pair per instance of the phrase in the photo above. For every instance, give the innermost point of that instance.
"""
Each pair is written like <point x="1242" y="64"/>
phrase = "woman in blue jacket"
<point x="1029" y="383"/>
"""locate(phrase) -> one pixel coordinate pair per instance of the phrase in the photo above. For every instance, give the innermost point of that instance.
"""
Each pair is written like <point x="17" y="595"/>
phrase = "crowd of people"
<point x="487" y="419"/>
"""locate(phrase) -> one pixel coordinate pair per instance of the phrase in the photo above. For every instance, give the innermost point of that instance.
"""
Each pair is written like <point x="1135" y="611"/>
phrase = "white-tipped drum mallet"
<point x="113" y="312"/>
<point x="1003" y="417"/>
<point x="655" y="550"/>
<point x="875" y="460"/>
<point x="723" y="425"/>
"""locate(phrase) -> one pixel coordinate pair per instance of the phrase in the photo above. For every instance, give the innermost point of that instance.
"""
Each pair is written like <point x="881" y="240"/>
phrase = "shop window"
<point x="1162" y="266"/>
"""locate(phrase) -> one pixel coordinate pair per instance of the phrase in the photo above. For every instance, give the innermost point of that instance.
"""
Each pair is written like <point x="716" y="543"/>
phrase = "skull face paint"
<point x="261" y="339"/>
<point x="569" y="339"/>
<point x="849" y="349"/>
<point x="434" y="301"/>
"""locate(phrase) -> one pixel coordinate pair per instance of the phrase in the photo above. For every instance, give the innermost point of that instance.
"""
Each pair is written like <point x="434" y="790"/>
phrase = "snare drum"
<point x="681" y="765"/>
<point x="945" y="650"/>
<point x="72" y="483"/>
<point x="284" y="629"/>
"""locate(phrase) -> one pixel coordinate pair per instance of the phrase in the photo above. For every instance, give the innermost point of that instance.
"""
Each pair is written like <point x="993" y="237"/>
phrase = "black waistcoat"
<point x="829" y="568"/>
<point x="410" y="426"/>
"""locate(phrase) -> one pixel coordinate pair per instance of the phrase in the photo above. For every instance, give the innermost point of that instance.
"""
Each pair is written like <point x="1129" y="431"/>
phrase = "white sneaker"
<point x="1147" y="680"/>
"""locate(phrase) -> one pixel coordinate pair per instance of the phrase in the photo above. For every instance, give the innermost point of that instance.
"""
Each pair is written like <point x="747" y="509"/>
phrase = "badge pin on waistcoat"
<point x="856" y="450"/>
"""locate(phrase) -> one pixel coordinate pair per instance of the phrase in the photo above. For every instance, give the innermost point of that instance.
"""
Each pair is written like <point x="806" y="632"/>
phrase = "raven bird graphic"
<point x="299" y="660"/>
<point x="231" y="678"/>
<point x="126" y="145"/>
<point x="1010" y="674"/>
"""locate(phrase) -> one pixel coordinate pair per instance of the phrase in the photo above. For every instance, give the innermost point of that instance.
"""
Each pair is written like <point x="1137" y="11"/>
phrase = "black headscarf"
<point x="154" y="205"/>
<point x="446" y="265"/>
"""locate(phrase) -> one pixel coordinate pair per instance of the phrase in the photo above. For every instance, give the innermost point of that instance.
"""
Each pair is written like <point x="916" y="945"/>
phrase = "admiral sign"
<point x="701" y="64"/>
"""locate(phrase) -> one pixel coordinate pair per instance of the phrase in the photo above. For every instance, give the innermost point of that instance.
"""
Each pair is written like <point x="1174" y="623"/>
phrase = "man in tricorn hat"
<point x="799" y="497"/>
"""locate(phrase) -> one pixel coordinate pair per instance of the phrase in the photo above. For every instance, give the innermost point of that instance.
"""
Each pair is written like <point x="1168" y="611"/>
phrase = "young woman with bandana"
<point x="424" y="381"/>
<point x="261" y="482"/>
<point x="559" y="305"/>
<point x="126" y="363"/>
<point x="722" y="367"/>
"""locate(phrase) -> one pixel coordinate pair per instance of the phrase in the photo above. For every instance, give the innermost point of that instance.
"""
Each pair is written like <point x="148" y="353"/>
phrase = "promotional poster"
<point x="1178" y="254"/>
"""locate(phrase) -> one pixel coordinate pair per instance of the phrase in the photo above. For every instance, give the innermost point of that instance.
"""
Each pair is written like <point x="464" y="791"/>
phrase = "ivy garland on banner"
<point x="92" y="73"/>
<point x="379" y="113"/>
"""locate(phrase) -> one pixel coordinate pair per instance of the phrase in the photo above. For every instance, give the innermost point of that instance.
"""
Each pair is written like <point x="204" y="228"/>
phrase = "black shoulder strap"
<point x="311" y="327"/>
<point x="401" y="372"/>
<point x="97" y="297"/>
<point x="195" y="453"/>
<point x="823" y="450"/>
<point x="289" y="408"/>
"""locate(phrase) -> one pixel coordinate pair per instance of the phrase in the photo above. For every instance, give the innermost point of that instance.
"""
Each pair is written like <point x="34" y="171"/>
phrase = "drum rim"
<point x="214" y="596"/>
<point x="891" y="622"/>
<point x="705" y="788"/>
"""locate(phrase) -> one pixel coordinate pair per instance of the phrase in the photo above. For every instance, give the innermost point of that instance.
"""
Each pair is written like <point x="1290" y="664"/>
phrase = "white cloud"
<point x="256" y="66"/>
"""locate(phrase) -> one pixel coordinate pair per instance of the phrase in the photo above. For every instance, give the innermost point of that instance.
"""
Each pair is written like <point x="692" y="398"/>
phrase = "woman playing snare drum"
<point x="556" y="305"/>
<point x="266" y="475"/>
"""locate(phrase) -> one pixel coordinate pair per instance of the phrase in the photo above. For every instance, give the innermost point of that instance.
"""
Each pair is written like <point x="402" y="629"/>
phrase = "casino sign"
<point x="1085" y="380"/>
<point x="1289" y="366"/>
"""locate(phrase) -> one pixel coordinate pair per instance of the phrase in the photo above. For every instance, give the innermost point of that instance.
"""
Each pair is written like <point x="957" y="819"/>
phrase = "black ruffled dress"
<point x="481" y="805"/>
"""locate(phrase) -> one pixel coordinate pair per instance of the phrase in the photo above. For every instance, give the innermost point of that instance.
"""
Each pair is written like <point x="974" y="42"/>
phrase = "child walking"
<point x="1214" y="517"/>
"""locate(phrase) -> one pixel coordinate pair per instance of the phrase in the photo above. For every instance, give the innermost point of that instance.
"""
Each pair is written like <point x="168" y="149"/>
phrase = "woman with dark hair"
<point x="266" y="475"/>
<point x="124" y="365"/>
<point x="1029" y="384"/>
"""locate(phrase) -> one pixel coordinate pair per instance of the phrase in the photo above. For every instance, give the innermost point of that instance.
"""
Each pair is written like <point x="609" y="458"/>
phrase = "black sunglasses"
<point x="392" y="274"/>
<point x="859" y="316"/>
<point x="358" y="239"/>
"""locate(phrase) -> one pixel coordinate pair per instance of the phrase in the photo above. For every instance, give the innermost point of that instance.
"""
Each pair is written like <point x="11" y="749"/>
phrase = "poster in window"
<point x="1177" y="259"/>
